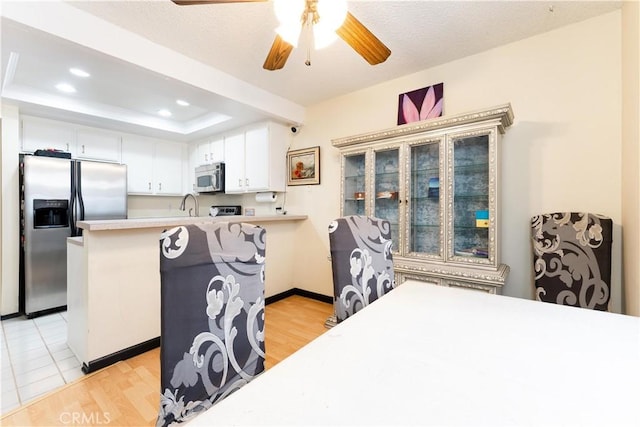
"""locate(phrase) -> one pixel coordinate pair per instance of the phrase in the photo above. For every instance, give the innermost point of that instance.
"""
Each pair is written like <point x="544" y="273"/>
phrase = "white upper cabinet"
<point x="168" y="160"/>
<point x="98" y="145"/>
<point x="154" y="167"/>
<point x="256" y="145"/>
<point x="42" y="134"/>
<point x="210" y="151"/>
<point x="234" y="163"/>
<point x="82" y="142"/>
<point x="255" y="159"/>
<point x="137" y="154"/>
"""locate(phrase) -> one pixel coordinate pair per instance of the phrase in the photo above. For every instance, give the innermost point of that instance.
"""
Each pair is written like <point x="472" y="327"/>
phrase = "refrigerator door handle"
<point x="79" y="191"/>
<point x="72" y="202"/>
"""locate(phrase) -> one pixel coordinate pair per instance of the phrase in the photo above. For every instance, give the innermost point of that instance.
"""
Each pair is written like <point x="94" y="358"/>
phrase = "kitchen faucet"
<point x="184" y="199"/>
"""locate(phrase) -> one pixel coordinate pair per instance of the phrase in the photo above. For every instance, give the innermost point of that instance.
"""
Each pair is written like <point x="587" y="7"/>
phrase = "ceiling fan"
<point x="350" y="30"/>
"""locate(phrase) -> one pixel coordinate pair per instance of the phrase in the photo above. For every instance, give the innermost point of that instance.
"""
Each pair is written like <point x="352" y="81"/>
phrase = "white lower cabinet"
<point x="255" y="159"/>
<point x="154" y="167"/>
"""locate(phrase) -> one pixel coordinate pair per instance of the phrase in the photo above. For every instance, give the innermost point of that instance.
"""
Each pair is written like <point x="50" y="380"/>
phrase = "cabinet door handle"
<point x="239" y="182"/>
<point x="149" y="186"/>
<point x="159" y="186"/>
<point x="82" y="148"/>
<point x="67" y="146"/>
<point x="205" y="158"/>
<point x="246" y="182"/>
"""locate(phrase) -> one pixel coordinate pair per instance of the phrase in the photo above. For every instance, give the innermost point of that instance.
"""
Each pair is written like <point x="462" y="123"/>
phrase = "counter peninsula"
<point x="113" y="281"/>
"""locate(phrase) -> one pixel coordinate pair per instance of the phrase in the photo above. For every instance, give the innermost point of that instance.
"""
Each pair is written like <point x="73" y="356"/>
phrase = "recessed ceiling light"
<point x="79" y="72"/>
<point x="164" y="113"/>
<point x="65" y="87"/>
<point x="182" y="103"/>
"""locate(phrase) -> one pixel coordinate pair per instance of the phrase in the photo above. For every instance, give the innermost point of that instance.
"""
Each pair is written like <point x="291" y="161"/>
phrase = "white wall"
<point x="9" y="225"/>
<point x="562" y="152"/>
<point x="631" y="155"/>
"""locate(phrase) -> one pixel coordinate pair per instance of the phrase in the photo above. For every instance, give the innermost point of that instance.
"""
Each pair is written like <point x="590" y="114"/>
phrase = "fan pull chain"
<point x="309" y="42"/>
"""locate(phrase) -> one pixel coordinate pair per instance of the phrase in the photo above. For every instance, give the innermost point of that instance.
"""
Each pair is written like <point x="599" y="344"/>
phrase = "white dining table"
<point x="432" y="355"/>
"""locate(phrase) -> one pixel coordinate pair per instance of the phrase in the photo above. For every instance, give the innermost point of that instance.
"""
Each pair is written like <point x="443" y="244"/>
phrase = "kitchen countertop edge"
<point x="132" y="223"/>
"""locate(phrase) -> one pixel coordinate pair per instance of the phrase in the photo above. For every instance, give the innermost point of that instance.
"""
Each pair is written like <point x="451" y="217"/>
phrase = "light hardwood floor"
<point x="128" y="392"/>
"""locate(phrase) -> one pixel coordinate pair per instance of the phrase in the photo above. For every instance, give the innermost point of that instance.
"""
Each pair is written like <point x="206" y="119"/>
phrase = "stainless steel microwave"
<point x="209" y="178"/>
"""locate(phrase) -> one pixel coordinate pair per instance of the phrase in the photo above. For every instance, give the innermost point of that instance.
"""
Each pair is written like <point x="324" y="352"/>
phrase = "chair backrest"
<point x="361" y="262"/>
<point x="572" y="258"/>
<point x="212" y="308"/>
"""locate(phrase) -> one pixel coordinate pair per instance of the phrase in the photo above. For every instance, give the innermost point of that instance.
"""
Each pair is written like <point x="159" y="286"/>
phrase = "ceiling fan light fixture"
<point x="331" y="13"/>
<point x="323" y="36"/>
<point x="290" y="33"/>
<point x="289" y="14"/>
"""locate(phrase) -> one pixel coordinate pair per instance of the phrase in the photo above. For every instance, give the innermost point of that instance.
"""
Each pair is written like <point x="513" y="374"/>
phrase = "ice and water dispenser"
<point x="50" y="213"/>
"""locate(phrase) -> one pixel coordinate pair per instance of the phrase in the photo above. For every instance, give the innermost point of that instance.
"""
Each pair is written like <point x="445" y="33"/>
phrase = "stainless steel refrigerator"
<point x="57" y="192"/>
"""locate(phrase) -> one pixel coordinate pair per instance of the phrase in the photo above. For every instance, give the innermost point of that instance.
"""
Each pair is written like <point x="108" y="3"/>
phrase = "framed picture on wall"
<point x="303" y="166"/>
<point x="420" y="104"/>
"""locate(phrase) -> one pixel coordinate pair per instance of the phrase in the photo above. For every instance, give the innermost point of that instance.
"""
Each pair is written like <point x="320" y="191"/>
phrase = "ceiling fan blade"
<point x="191" y="2"/>
<point x="363" y="41"/>
<point x="278" y="54"/>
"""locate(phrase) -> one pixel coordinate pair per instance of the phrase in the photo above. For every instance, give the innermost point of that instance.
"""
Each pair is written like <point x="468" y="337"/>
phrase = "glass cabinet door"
<point x="425" y="208"/>
<point x="471" y="197"/>
<point x="386" y="188"/>
<point x="353" y="187"/>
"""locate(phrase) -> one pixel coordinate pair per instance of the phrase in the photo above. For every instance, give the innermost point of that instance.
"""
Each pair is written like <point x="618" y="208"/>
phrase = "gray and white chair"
<point x="361" y="262"/>
<point x="572" y="258"/>
<point x="212" y="308"/>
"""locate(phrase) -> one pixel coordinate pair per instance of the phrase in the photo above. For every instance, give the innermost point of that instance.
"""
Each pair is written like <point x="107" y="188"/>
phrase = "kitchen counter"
<point x="124" y="224"/>
<point x="113" y="281"/>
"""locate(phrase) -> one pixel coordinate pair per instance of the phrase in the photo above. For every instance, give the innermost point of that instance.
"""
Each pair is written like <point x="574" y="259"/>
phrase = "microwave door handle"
<point x="214" y="181"/>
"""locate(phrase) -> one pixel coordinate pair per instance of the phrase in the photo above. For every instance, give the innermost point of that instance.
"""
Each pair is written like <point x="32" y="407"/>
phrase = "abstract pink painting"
<point x="420" y="104"/>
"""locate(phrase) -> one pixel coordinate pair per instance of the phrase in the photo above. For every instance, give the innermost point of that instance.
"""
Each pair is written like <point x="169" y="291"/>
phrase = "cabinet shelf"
<point x="431" y="172"/>
<point x="425" y="226"/>
<point x="382" y="175"/>
<point x="459" y="197"/>
<point x="470" y="228"/>
<point x="472" y="168"/>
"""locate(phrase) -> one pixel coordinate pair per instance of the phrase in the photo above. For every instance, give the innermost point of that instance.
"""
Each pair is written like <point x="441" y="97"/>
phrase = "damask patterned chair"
<point x="361" y="262"/>
<point x="572" y="259"/>
<point x="212" y="308"/>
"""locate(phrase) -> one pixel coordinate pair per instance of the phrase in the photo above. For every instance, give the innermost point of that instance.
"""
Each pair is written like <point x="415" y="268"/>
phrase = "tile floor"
<point x="35" y="358"/>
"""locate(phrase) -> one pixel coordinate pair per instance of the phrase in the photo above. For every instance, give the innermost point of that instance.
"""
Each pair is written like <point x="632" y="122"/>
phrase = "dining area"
<point x="430" y="355"/>
<point x="413" y="353"/>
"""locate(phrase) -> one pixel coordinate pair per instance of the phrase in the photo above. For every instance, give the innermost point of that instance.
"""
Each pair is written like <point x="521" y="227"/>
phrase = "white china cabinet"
<point x="437" y="183"/>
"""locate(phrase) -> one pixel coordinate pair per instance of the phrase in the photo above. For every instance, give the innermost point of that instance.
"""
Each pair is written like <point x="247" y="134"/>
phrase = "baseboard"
<point x="46" y="312"/>
<point x="10" y="316"/>
<point x="127" y="353"/>
<point x="301" y="292"/>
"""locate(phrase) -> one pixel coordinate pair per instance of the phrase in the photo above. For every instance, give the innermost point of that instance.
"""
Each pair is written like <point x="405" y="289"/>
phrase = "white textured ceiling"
<point x="235" y="38"/>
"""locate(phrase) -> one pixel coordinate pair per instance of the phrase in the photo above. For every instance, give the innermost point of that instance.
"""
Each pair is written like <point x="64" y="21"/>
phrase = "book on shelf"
<point x="482" y="219"/>
<point x="434" y="187"/>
